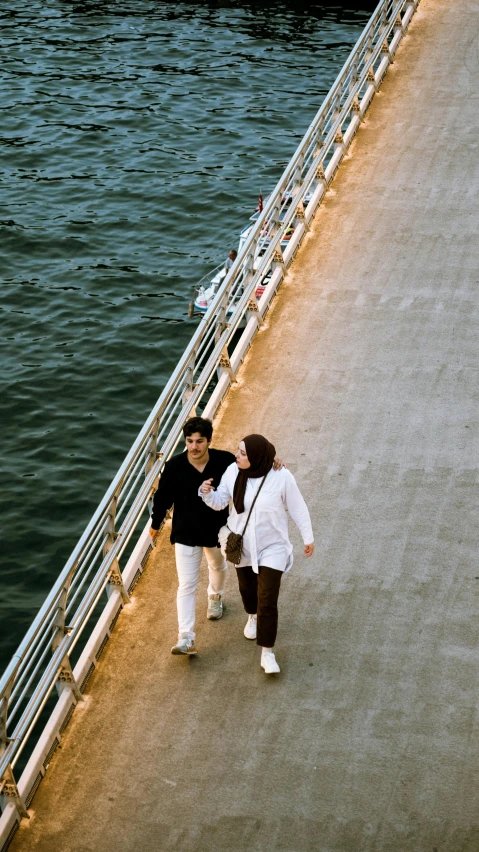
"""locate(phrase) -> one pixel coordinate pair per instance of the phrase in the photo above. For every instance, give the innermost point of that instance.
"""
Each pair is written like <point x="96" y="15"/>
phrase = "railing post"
<point x="66" y="680"/>
<point x="337" y="105"/>
<point x="60" y="630"/>
<point x="152" y="456"/>
<point x="354" y="73"/>
<point x="151" y="450"/>
<point x="274" y="226"/>
<point x="224" y="365"/>
<point x="9" y="793"/>
<point x="300" y="216"/>
<point x="115" y="580"/>
<point x="369" y="48"/>
<point x="318" y="140"/>
<point x="386" y="52"/>
<point x="371" y="78"/>
<point x="338" y="138"/>
<point x="4" y="702"/>
<point x="110" y="524"/>
<point x="356" y="108"/>
<point x="278" y="260"/>
<point x="189" y="384"/>
<point x="298" y="175"/>
<point x="398" y="25"/>
<point x="321" y="176"/>
<point x="252" y="310"/>
<point x="221" y="323"/>
<point x="384" y="18"/>
<point x="274" y="223"/>
<point x="249" y="265"/>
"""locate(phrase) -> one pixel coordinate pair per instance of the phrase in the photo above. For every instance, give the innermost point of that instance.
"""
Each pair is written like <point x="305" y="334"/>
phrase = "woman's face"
<point x="241" y="458"/>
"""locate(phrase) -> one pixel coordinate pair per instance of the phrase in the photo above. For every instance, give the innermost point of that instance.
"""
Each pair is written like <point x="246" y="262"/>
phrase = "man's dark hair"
<point x="198" y="424"/>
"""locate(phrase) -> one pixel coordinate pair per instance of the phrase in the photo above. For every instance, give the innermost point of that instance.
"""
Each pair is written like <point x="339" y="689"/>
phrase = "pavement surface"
<point x="366" y="380"/>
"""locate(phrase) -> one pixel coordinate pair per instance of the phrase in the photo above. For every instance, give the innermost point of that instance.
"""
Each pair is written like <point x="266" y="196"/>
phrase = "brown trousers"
<point x="259" y="593"/>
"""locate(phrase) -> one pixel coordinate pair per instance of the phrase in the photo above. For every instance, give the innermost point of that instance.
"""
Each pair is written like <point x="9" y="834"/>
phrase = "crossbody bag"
<point x="232" y="543"/>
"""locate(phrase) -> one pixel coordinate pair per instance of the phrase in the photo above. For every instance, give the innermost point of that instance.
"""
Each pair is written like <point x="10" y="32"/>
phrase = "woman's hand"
<point x="278" y="464"/>
<point x="206" y="486"/>
<point x="308" y="549"/>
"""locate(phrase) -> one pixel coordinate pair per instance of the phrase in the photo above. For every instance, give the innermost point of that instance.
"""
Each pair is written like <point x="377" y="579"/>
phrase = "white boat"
<point x="206" y="289"/>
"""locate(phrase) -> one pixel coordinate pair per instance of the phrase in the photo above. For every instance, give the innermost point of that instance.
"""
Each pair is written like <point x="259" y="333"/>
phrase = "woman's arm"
<point x="298" y="510"/>
<point x="220" y="498"/>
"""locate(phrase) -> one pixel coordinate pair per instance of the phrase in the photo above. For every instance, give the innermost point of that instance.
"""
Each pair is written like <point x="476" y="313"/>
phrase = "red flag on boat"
<point x="260" y="203"/>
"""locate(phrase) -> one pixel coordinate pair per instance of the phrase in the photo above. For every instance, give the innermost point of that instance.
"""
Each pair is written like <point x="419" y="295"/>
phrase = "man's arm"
<point x="162" y="501"/>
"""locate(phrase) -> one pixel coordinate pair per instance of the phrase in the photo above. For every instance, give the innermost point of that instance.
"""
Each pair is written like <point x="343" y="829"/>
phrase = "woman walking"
<point x="267" y="552"/>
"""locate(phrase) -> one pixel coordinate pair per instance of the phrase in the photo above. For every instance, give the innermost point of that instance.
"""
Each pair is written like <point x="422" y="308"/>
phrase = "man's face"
<point x="197" y="446"/>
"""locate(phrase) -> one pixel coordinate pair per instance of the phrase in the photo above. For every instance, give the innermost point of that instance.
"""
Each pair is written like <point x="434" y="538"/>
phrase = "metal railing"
<point x="203" y="375"/>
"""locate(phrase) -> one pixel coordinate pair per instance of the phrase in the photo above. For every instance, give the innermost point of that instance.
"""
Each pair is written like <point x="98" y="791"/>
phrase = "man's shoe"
<point x="215" y="607"/>
<point x="250" y="627"/>
<point x="185" y="645"/>
<point x="268" y="663"/>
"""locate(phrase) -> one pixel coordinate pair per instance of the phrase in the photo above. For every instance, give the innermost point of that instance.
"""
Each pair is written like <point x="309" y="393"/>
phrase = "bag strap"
<point x="252" y="505"/>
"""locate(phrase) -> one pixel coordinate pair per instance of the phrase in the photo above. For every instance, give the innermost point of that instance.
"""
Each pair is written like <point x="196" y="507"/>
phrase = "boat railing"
<point x="206" y="280"/>
<point x="206" y="284"/>
<point x="65" y="640"/>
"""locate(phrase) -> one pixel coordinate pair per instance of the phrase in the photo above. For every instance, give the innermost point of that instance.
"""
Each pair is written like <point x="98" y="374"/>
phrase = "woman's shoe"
<point x="268" y="663"/>
<point x="250" y="627"/>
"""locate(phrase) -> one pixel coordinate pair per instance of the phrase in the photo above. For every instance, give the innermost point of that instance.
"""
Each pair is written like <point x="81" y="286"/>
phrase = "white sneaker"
<point x="250" y="627"/>
<point x="215" y="607"/>
<point x="268" y="662"/>
<point x="185" y="645"/>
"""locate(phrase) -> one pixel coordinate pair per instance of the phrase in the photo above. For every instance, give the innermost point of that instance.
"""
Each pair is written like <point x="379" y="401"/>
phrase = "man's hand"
<point x="153" y="533"/>
<point x="308" y="549"/>
<point x="206" y="486"/>
<point x="278" y="464"/>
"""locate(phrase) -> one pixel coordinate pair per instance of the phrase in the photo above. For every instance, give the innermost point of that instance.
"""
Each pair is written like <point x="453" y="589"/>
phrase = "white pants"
<point x="188" y="562"/>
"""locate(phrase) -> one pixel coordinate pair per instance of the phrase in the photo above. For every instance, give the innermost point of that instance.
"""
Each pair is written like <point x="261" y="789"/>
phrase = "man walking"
<point x="195" y="526"/>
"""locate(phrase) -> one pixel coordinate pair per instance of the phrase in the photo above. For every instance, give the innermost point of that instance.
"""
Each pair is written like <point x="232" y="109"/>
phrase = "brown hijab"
<point x="261" y="457"/>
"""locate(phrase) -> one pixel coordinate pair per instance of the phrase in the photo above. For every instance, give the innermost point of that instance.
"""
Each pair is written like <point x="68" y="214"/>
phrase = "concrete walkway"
<point x="367" y="382"/>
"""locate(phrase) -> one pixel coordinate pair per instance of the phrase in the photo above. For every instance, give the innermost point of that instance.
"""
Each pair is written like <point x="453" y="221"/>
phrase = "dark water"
<point x="135" y="138"/>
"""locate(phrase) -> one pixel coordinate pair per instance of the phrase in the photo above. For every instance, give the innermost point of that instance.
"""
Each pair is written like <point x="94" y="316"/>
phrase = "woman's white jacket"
<point x="266" y="541"/>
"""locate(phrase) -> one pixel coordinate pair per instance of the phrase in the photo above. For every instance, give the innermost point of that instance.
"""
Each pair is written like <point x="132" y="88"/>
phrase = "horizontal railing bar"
<point x="79" y="576"/>
<point x="37" y="649"/>
<point x="71" y="601"/>
<point x="18" y="701"/>
<point x="47" y="682"/>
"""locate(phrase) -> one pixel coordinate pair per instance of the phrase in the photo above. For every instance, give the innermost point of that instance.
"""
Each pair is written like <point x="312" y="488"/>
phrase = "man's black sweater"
<point x="194" y="523"/>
